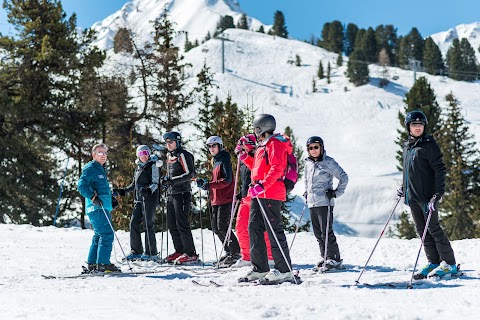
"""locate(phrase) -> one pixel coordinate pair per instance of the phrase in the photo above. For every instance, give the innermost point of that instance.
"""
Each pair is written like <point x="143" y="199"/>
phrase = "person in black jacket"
<point x="146" y="199"/>
<point x="423" y="187"/>
<point x="180" y="171"/>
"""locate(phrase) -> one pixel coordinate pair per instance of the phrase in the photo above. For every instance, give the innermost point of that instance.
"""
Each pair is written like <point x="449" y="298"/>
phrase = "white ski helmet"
<point x="215" y="139"/>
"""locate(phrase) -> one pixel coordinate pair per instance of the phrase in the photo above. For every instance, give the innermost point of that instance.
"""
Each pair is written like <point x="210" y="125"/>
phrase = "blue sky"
<point x="306" y="17"/>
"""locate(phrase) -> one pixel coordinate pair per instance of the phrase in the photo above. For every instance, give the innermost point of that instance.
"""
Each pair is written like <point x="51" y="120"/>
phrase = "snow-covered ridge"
<point x="197" y="17"/>
<point x="469" y="31"/>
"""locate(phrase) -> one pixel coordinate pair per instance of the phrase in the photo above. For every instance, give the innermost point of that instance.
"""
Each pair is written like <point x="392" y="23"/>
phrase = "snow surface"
<point x="29" y="252"/>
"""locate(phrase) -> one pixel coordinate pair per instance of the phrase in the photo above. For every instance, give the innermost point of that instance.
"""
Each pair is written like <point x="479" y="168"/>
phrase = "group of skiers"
<point x="261" y="241"/>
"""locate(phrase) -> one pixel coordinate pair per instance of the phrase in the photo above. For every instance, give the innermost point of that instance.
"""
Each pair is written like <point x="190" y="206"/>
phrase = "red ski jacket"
<point x="222" y="184"/>
<point x="269" y="165"/>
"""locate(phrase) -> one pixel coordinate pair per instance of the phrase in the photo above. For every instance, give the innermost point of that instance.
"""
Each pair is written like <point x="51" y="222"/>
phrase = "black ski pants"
<point x="220" y="222"/>
<point x="319" y="224"/>
<point x="257" y="225"/>
<point x="436" y="245"/>
<point x="178" y="211"/>
<point x="144" y="212"/>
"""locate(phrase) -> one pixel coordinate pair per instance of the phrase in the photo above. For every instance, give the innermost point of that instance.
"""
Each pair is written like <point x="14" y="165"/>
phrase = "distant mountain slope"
<point x="469" y="31"/>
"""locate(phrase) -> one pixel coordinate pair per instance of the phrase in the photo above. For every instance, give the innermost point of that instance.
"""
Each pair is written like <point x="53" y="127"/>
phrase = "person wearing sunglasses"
<point x="320" y="170"/>
<point x="146" y="198"/>
<point x="94" y="187"/>
<point x="221" y="188"/>
<point x="177" y="180"/>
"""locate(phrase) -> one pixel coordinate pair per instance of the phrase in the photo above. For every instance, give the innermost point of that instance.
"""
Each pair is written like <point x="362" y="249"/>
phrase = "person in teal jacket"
<point x="94" y="186"/>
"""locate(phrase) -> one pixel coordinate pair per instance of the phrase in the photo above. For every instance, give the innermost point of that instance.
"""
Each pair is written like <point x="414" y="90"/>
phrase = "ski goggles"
<point x="143" y="153"/>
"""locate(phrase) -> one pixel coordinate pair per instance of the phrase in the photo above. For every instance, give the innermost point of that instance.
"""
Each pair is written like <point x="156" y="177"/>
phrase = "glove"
<point x="96" y="200"/>
<point x="305" y="194"/>
<point x="200" y="182"/>
<point x="145" y="191"/>
<point x="238" y="196"/>
<point x="431" y="205"/>
<point x="242" y="156"/>
<point x="114" y="202"/>
<point x="400" y="193"/>
<point x="120" y="191"/>
<point x="238" y="148"/>
<point x="256" y="189"/>
<point x="330" y="194"/>
<point x="166" y="182"/>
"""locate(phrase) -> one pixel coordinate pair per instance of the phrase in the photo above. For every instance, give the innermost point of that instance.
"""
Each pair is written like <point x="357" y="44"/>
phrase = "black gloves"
<point x="114" y="202"/>
<point x="120" y="191"/>
<point x="400" y="193"/>
<point x="330" y="194"/>
<point x="145" y="191"/>
<point x="202" y="183"/>
<point x="166" y="182"/>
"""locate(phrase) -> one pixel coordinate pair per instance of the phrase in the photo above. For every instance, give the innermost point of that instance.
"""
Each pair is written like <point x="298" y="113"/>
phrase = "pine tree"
<point x="188" y="45"/>
<point x="420" y="97"/>
<point x="279" y="27"/>
<point x="314" y="85"/>
<point x="122" y="41"/>
<point x="298" y="60"/>
<point x="384" y="61"/>
<point x="320" y="72"/>
<point x="432" y="58"/>
<point x="367" y="43"/>
<point x="261" y="29"/>
<point x="339" y="60"/>
<point x="460" y="160"/>
<point x="243" y="23"/>
<point x="349" y="40"/>
<point x="461" y="61"/>
<point x="386" y="38"/>
<point x="357" y="68"/>
<point x="225" y="22"/>
<point x="332" y="36"/>
<point x="329" y="72"/>
<point x="405" y="228"/>
<point x="410" y="47"/>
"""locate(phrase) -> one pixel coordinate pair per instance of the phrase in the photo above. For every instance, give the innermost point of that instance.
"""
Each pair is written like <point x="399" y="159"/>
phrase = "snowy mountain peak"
<point x="197" y="17"/>
<point x="469" y="31"/>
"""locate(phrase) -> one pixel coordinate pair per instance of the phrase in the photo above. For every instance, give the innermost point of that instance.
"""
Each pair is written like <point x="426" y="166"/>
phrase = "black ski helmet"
<point x="264" y="123"/>
<point x="315" y="139"/>
<point x="173" y="135"/>
<point x="417" y="116"/>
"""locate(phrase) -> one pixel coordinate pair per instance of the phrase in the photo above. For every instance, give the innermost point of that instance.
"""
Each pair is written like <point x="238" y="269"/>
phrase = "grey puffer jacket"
<point x="319" y="178"/>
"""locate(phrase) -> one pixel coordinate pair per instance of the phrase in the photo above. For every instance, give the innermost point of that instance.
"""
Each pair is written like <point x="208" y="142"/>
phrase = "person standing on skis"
<point x="246" y="144"/>
<point x="423" y="186"/>
<point x="180" y="171"/>
<point x="146" y="199"/>
<point x="94" y="187"/>
<point x="221" y="187"/>
<point x="319" y="193"/>
<point x="267" y="190"/>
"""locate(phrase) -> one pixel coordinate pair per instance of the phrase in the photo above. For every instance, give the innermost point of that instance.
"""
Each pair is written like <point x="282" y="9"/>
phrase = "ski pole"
<point x="276" y="239"/>
<point x="113" y="230"/>
<point x="146" y="226"/>
<point x="327" y="231"/>
<point x="201" y="226"/>
<point x="232" y="212"/>
<point x="410" y="286"/>
<point x="297" y="227"/>
<point x="60" y="195"/>
<point x="161" y="239"/>
<point x="378" y="240"/>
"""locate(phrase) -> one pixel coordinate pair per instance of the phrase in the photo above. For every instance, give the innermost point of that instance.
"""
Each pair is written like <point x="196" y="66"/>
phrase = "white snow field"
<point x="29" y="252"/>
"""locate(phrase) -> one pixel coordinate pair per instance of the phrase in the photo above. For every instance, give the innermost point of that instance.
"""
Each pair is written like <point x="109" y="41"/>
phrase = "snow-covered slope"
<point x="197" y="17"/>
<point x="469" y="31"/>
<point x="29" y="252"/>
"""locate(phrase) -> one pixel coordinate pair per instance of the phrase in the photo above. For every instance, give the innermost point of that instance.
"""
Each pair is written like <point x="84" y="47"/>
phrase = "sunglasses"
<point x="101" y="153"/>
<point x="313" y="147"/>
<point x="143" y="153"/>
<point x="211" y="146"/>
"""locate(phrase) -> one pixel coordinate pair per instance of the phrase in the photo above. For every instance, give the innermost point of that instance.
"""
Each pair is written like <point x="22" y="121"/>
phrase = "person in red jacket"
<point x="221" y="186"/>
<point x="268" y="190"/>
<point x="247" y="144"/>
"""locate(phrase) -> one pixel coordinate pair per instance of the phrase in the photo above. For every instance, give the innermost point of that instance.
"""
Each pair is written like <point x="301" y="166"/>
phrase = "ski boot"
<point x="186" y="259"/>
<point x="241" y="263"/>
<point x="443" y="270"/>
<point x="108" y="268"/>
<point x="277" y="277"/>
<point x="426" y="269"/>
<point x="91" y="268"/>
<point x="230" y="260"/>
<point x="146" y="257"/>
<point x="133" y="256"/>
<point x="330" y="265"/>
<point x="172" y="257"/>
<point x="252" y="276"/>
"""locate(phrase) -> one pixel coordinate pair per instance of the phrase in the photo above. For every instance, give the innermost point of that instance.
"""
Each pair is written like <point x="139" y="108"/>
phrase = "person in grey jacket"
<point x="319" y="193"/>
